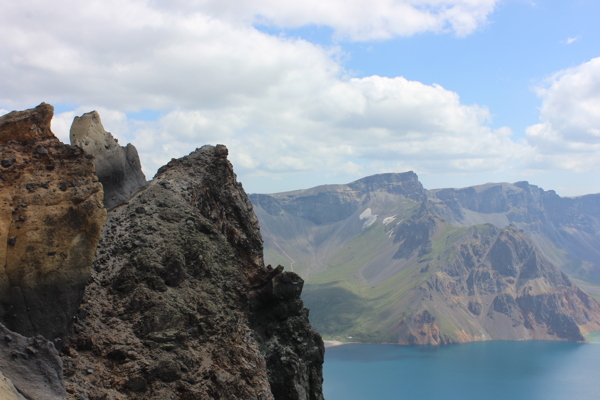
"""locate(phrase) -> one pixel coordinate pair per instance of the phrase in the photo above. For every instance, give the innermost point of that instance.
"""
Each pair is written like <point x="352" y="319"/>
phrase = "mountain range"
<point x="386" y="260"/>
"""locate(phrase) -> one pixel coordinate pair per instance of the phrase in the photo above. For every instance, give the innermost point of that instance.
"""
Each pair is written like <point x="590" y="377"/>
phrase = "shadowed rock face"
<point x="181" y="305"/>
<point x="32" y="365"/>
<point x="118" y="168"/>
<point x="51" y="216"/>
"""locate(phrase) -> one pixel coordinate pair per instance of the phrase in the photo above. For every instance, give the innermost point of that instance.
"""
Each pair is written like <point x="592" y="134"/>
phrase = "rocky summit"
<point x="177" y="303"/>
<point x="395" y="263"/>
<point x="118" y="168"/>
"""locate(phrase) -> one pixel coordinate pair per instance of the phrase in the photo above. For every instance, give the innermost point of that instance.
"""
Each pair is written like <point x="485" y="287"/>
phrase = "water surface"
<point x="528" y="370"/>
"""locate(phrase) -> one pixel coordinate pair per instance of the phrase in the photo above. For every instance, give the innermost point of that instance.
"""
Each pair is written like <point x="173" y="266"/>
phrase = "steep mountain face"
<point x="304" y="228"/>
<point x="181" y="305"/>
<point x="493" y="284"/>
<point x="418" y="267"/>
<point x="566" y="230"/>
<point x="51" y="216"/>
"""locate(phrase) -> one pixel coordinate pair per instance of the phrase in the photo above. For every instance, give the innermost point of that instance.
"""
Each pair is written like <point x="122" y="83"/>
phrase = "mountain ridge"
<point x="366" y="265"/>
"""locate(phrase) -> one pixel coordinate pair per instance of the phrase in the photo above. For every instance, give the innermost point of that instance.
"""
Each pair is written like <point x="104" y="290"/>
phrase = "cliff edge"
<point x="181" y="305"/>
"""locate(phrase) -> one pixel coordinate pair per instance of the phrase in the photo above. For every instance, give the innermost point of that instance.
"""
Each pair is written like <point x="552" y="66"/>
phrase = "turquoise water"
<point x="528" y="370"/>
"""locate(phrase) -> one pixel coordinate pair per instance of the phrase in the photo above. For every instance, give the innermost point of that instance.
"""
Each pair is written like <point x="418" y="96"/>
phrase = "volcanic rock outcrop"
<point x="118" y="168"/>
<point x="51" y="216"/>
<point x="177" y="304"/>
<point x="181" y="305"/>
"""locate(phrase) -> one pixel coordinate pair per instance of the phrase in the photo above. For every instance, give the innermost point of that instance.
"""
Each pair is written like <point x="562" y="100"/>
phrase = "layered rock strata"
<point x="494" y="284"/>
<point x="118" y="167"/>
<point x="181" y="305"/>
<point x="51" y="216"/>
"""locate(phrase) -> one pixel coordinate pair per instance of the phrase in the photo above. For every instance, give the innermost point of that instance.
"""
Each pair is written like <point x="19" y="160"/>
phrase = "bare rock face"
<point x="8" y="390"/>
<point x="293" y="352"/>
<point x="27" y="126"/>
<point x="118" y="168"/>
<point x="32" y="366"/>
<point x="499" y="286"/>
<point x="51" y="216"/>
<point x="181" y="305"/>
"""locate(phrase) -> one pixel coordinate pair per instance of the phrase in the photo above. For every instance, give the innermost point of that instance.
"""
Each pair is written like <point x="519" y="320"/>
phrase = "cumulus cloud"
<point x="282" y="105"/>
<point x="358" y="20"/>
<point x="568" y="135"/>
<point x="354" y="127"/>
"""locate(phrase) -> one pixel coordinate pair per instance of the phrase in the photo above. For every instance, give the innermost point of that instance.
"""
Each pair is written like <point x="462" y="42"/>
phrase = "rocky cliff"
<point x="494" y="284"/>
<point x="410" y="266"/>
<point x="566" y="230"/>
<point x="181" y="305"/>
<point x="118" y="168"/>
<point x="51" y="216"/>
<point x="177" y="304"/>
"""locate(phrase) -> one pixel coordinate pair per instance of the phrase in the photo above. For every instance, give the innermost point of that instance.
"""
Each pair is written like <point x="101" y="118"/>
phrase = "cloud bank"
<point x="568" y="135"/>
<point x="283" y="106"/>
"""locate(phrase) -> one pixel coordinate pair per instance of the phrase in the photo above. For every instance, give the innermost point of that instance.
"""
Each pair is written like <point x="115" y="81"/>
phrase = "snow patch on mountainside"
<point x="370" y="218"/>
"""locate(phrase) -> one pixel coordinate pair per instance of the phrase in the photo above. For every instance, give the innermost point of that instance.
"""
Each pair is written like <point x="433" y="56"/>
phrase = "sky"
<point x="312" y="92"/>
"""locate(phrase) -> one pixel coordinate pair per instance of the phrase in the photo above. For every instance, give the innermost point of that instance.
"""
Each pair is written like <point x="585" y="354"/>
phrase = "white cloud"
<point x="359" y="20"/>
<point x="282" y="106"/>
<point x="571" y="40"/>
<point x="357" y="127"/>
<point x="568" y="135"/>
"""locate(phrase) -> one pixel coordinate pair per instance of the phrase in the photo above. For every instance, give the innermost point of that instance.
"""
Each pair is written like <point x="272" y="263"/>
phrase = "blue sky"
<point x="463" y="92"/>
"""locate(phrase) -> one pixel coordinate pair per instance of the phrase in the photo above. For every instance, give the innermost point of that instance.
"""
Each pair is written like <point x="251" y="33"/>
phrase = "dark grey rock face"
<point x="32" y="365"/>
<point x="118" y="168"/>
<point x="293" y="353"/>
<point x="181" y="305"/>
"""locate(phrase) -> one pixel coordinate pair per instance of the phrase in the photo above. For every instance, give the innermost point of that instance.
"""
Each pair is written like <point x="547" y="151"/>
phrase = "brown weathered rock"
<point x="118" y="168"/>
<point x="7" y="390"/>
<point x="181" y="305"/>
<point x="27" y="126"/>
<point x="51" y="216"/>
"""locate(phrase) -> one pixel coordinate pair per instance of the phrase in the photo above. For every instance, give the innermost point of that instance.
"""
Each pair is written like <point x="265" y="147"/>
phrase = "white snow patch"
<point x="389" y="219"/>
<point x="365" y="214"/>
<point x="370" y="218"/>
